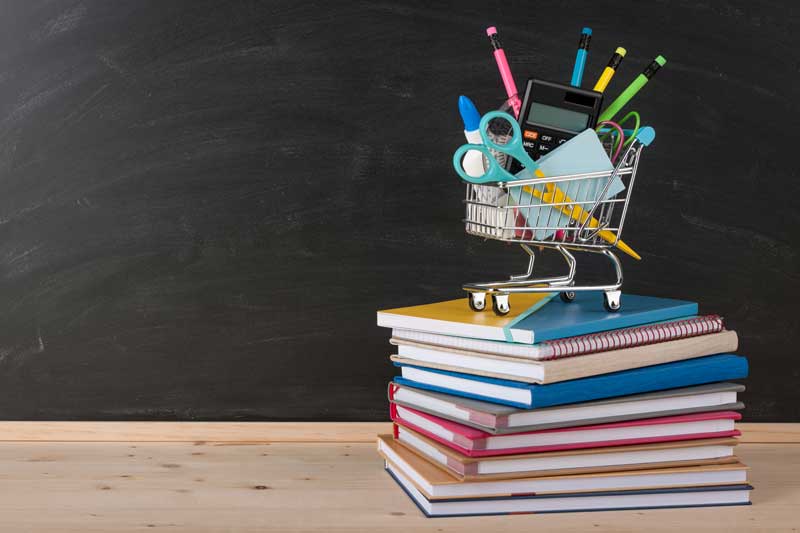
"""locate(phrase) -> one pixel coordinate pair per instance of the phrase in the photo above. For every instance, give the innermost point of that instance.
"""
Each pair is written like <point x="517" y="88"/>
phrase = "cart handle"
<point x="646" y="135"/>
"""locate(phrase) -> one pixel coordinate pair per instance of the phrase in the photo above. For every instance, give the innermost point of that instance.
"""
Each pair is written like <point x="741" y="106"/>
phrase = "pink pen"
<point x="505" y="72"/>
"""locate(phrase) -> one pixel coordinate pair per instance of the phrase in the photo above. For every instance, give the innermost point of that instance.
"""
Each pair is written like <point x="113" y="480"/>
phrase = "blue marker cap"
<point x="469" y="114"/>
<point x="587" y="31"/>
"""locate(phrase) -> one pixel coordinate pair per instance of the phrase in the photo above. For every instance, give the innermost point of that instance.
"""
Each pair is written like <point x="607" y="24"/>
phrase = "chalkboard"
<point x="203" y="204"/>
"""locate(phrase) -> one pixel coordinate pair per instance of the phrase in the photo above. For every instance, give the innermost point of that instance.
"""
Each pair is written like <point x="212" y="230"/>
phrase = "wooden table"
<point x="301" y="477"/>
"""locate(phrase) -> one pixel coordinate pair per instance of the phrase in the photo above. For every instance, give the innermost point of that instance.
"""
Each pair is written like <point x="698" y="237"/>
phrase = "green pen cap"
<point x="631" y="90"/>
<point x="653" y="67"/>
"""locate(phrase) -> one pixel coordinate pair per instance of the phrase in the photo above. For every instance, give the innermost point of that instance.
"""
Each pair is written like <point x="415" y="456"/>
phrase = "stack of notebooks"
<point x="564" y="407"/>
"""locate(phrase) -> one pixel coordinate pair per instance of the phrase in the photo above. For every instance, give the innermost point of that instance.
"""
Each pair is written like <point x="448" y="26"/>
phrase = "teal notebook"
<point x="558" y="319"/>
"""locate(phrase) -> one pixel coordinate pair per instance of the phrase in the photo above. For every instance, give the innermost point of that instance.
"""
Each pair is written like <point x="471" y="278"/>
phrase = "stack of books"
<point x="564" y="407"/>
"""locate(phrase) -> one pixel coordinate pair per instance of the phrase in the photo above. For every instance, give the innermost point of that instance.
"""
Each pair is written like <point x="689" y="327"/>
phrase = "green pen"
<point x="611" y="111"/>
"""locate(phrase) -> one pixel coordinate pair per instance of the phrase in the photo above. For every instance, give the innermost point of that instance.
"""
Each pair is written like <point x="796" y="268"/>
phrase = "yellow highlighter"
<point x="609" y="71"/>
<point x="554" y="195"/>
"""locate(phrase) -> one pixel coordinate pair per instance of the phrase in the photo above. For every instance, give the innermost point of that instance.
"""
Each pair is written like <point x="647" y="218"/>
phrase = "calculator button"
<point x="531" y="134"/>
<point x="561" y="141"/>
<point x="544" y="148"/>
<point x="546" y="138"/>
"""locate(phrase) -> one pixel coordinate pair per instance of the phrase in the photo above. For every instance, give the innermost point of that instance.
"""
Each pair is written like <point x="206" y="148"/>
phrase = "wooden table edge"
<point x="257" y="432"/>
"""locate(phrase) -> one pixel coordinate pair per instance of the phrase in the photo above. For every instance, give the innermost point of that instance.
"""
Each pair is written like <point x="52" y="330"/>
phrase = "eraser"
<point x="491" y="30"/>
<point x="621" y="51"/>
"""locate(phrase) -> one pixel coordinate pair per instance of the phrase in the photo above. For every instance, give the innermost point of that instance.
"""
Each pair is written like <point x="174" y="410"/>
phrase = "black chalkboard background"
<point x="203" y="204"/>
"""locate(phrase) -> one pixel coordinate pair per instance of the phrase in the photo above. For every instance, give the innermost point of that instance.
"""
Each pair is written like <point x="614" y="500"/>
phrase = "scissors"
<point x="512" y="148"/>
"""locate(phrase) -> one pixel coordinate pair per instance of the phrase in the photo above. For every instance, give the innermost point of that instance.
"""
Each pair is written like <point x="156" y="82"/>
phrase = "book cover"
<point x="679" y="497"/>
<point x="499" y="419"/>
<point x="566" y="462"/>
<point x="554" y="320"/>
<point x="436" y="483"/>
<point x="475" y="443"/>
<point x="571" y="346"/>
<point x="722" y="367"/>
<point x="552" y="371"/>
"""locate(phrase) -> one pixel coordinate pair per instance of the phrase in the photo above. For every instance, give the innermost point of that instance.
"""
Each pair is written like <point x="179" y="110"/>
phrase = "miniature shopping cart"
<point x="580" y="212"/>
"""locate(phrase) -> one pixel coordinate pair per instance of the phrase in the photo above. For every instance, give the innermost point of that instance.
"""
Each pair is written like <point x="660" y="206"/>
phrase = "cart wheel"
<point x="500" y="304"/>
<point x="477" y="301"/>
<point x="567" y="296"/>
<point x="611" y="301"/>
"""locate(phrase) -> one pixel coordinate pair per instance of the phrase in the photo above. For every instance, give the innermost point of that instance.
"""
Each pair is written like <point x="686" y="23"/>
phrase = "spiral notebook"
<point x="571" y="346"/>
<point x="552" y="371"/>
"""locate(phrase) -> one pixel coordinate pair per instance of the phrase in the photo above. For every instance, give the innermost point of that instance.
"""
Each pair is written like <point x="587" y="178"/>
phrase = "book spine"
<point x="392" y="390"/>
<point x="482" y="419"/>
<point x="632" y="337"/>
<point x="476" y="417"/>
<point x="459" y="442"/>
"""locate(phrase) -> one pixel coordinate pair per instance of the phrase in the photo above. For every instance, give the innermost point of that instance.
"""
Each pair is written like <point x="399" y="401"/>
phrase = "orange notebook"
<point x="436" y="483"/>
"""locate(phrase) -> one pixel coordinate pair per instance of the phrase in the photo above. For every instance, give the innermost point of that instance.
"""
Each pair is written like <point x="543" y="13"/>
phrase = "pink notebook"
<point x="476" y="443"/>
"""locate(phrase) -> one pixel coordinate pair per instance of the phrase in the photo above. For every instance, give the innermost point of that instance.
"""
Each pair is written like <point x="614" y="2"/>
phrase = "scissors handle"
<point x="489" y="175"/>
<point x="514" y="141"/>
<point x="512" y="147"/>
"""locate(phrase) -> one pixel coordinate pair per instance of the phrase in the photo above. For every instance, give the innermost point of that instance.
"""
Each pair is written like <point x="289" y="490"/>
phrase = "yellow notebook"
<point x="454" y="317"/>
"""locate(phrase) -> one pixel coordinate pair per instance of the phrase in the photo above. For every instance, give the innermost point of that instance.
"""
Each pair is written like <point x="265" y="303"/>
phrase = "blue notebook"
<point x="619" y="500"/>
<point x="554" y="320"/>
<point x="713" y="368"/>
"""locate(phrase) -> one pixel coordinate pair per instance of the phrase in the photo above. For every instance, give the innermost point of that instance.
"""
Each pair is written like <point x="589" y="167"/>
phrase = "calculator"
<point x="553" y="113"/>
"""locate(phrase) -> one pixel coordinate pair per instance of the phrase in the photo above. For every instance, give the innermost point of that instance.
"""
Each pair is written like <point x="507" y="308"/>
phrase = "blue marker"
<point x="580" y="59"/>
<point x="473" y="160"/>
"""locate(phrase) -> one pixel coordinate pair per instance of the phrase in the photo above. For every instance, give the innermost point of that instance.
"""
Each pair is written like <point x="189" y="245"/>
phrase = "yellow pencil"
<point x="609" y="71"/>
<point x="556" y="195"/>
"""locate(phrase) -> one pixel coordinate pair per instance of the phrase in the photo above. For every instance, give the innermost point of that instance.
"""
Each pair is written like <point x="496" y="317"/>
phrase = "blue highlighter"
<point x="580" y="59"/>
<point x="469" y="114"/>
<point x="473" y="159"/>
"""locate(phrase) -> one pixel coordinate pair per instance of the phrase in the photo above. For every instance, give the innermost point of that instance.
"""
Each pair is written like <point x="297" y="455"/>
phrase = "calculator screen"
<point x="565" y="119"/>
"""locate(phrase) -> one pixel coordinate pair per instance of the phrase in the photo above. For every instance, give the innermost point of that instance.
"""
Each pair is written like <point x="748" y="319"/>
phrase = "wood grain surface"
<point x="203" y="203"/>
<point x="293" y="487"/>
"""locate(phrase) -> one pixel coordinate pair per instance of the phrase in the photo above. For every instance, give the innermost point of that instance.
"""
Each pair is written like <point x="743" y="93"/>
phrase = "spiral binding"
<point x="632" y="337"/>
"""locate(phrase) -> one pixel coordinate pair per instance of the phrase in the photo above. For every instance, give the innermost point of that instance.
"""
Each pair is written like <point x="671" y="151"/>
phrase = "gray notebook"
<point x="501" y="419"/>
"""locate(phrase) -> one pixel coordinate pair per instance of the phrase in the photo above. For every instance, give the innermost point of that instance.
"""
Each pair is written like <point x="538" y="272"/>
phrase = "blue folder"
<point x="709" y="369"/>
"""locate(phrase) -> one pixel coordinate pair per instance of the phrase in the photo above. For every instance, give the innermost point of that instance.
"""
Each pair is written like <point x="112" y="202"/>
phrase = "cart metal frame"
<point x="528" y="212"/>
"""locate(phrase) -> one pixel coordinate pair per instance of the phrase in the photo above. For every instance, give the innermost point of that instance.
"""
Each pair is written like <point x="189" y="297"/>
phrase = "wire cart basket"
<point x="546" y="213"/>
